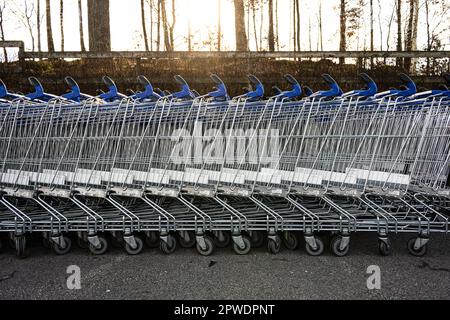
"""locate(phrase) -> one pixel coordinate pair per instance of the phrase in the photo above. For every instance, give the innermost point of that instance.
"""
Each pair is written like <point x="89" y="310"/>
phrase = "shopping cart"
<point x="164" y="168"/>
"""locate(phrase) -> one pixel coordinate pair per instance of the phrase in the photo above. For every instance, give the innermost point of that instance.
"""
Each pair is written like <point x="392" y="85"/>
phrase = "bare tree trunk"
<point x="371" y="32"/>
<point x="250" y="3"/>
<point x="254" y="25"/>
<point x="388" y="37"/>
<point x="320" y="26"/>
<point x="61" y="22"/>
<point x="271" y="36"/>
<point x="343" y="29"/>
<point x="38" y="25"/>
<point x="399" y="31"/>
<point x="80" y="25"/>
<point x="151" y="24"/>
<point x="427" y="10"/>
<point x="239" y="21"/>
<point x="294" y="24"/>
<point x="261" y="24"/>
<point x="219" y="26"/>
<point x="310" y="34"/>
<point x="27" y="20"/>
<point x="189" y="35"/>
<point x="277" y="33"/>
<point x="414" y="33"/>
<point x="415" y="25"/>
<point x="409" y="34"/>
<point x="172" y="26"/>
<point x="2" y="30"/>
<point x="297" y="13"/>
<point x="98" y="23"/>
<point x="48" y="17"/>
<point x="144" y="28"/>
<point x="158" y="27"/>
<point x="165" y="24"/>
<point x="380" y="25"/>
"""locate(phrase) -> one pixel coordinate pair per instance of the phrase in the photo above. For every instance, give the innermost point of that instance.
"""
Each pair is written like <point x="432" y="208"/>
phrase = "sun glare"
<point x="201" y="15"/>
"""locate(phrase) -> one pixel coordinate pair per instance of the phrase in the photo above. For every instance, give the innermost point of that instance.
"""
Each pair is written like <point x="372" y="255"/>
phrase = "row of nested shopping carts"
<point x="167" y="169"/>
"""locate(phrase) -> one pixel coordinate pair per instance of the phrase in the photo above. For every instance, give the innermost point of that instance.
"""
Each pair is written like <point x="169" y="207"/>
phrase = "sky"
<point x="126" y="29"/>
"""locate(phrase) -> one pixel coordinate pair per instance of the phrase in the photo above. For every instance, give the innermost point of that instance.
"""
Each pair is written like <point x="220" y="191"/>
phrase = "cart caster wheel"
<point x="273" y="246"/>
<point x="101" y="249"/>
<point x="209" y="247"/>
<point x="246" y="249"/>
<point x="257" y="239"/>
<point x="83" y="244"/>
<point x="225" y="242"/>
<point x="137" y="250"/>
<point x="416" y="252"/>
<point x="336" y="247"/>
<point x="385" y="248"/>
<point x="318" y="250"/>
<point x="20" y="246"/>
<point x="290" y="241"/>
<point x="152" y="240"/>
<point x="169" y="246"/>
<point x="62" y="251"/>
<point x="187" y="244"/>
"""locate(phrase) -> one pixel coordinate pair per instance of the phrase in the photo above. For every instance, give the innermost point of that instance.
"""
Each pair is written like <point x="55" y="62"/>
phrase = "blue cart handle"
<point x="75" y="93"/>
<point x="370" y="90"/>
<point x="334" y="91"/>
<point x="39" y="93"/>
<point x="220" y="93"/>
<point x="296" y="89"/>
<point x="258" y="89"/>
<point x="113" y="93"/>
<point x="185" y="92"/>
<point x="148" y="92"/>
<point x="8" y="95"/>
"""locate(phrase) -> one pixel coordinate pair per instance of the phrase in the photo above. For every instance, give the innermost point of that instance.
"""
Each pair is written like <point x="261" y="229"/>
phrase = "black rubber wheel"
<point x="247" y="246"/>
<point x="257" y="239"/>
<point x="318" y="251"/>
<point x="83" y="244"/>
<point x="417" y="253"/>
<point x="137" y="250"/>
<point x="273" y="246"/>
<point x="62" y="251"/>
<point x="20" y="244"/>
<point x="152" y="240"/>
<point x="384" y="248"/>
<point x="169" y="246"/>
<point x="290" y="241"/>
<point x="187" y="244"/>
<point x="101" y="249"/>
<point x="335" y="246"/>
<point x="209" y="247"/>
<point x="225" y="242"/>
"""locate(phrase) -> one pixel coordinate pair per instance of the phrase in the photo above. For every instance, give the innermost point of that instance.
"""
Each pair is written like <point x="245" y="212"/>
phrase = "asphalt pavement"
<point x="224" y="275"/>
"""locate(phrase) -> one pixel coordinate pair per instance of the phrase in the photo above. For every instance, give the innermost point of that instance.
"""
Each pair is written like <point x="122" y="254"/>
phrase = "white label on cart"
<point x="15" y="178"/>
<point x="51" y="178"/>
<point x="68" y="175"/>
<point x="380" y="176"/>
